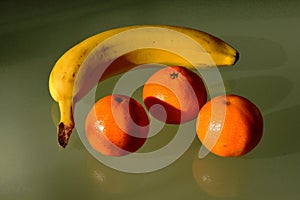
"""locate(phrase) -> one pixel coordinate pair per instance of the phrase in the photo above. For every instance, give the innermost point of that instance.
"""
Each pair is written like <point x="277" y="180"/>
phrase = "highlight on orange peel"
<point x="117" y="125"/>
<point x="229" y="125"/>
<point x="174" y="94"/>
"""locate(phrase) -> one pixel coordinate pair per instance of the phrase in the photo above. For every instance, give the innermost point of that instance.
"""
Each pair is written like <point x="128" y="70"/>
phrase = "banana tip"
<point x="64" y="133"/>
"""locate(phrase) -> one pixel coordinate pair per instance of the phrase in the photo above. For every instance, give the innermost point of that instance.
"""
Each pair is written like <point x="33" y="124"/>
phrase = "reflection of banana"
<point x="62" y="77"/>
<point x="55" y="113"/>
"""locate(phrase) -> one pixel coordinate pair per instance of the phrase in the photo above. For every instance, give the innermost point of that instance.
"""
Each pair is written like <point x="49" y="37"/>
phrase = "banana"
<point x="80" y="68"/>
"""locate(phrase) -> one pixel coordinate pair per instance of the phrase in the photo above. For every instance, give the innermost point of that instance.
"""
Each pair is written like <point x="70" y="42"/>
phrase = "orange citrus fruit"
<point x="179" y="92"/>
<point x="117" y="125"/>
<point x="229" y="125"/>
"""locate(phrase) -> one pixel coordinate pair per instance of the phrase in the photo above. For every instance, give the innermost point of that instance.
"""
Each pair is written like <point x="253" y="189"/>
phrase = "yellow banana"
<point x="115" y="49"/>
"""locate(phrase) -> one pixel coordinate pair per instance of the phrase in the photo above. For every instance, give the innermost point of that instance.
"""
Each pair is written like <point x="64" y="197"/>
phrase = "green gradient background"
<point x="34" y="34"/>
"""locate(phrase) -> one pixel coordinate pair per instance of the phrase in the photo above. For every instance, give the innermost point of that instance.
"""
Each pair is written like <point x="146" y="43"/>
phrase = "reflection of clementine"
<point x="117" y="125"/>
<point x="108" y="180"/>
<point x="229" y="125"/>
<point x="222" y="177"/>
<point x="179" y="91"/>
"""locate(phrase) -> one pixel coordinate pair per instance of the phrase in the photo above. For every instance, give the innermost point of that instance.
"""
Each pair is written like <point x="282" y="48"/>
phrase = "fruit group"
<point x="229" y="125"/>
<point x="159" y="39"/>
<point x="179" y="91"/>
<point x="117" y="125"/>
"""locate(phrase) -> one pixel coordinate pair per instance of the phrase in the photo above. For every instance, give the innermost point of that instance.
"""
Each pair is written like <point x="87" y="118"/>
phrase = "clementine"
<point x="229" y="125"/>
<point x="179" y="92"/>
<point x="117" y="125"/>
